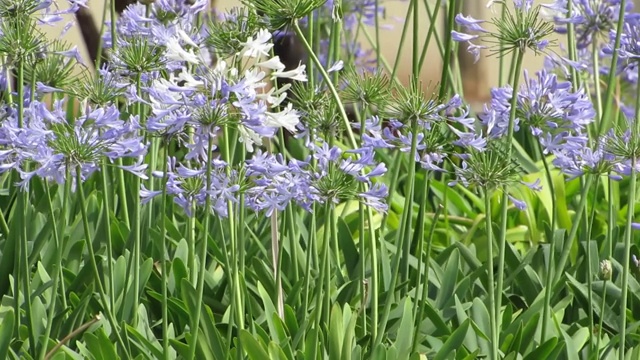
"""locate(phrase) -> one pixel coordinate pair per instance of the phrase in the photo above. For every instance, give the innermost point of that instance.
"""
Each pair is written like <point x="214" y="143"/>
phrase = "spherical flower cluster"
<point x="591" y="18"/>
<point x="521" y="29"/>
<point x="50" y="147"/>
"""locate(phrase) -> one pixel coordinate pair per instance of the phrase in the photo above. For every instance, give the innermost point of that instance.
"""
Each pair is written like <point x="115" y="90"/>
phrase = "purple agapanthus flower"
<point x="591" y="18"/>
<point x="191" y="186"/>
<point x="54" y="148"/>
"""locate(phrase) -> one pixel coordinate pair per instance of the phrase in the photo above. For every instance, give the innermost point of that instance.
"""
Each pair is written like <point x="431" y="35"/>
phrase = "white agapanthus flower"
<point x="260" y="46"/>
<point x="287" y="118"/>
<point x="176" y="52"/>
<point x="297" y="74"/>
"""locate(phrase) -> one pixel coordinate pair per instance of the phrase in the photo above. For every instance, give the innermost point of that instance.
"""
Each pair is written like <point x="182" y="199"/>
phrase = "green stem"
<point x="589" y="269"/>
<point x="611" y="218"/>
<point x="419" y="237"/>
<point x="100" y="41"/>
<point x="164" y="268"/>
<point x="332" y="88"/>
<point x="191" y="240"/>
<point x="321" y="300"/>
<point x="112" y="15"/>
<point x="93" y="263"/>
<point x="376" y="8"/>
<point x="56" y="275"/>
<point x="502" y="241"/>
<point x="432" y="27"/>
<point x="202" y="257"/>
<point x="607" y="102"/>
<point x="596" y="79"/>
<point x="503" y="14"/>
<point x="106" y="209"/>
<point x="122" y="194"/>
<point x="416" y="45"/>
<point x="405" y="223"/>
<point x="235" y="270"/>
<point x="602" y="309"/>
<point x="566" y="248"/>
<point x="446" y="61"/>
<point x="137" y="228"/>
<point x="629" y="230"/>
<point x="23" y="201"/>
<point x="403" y="35"/>
<point x="627" y="258"/>
<point x="407" y="218"/>
<point x="493" y="321"/>
<point x="552" y="248"/>
<point x="571" y="45"/>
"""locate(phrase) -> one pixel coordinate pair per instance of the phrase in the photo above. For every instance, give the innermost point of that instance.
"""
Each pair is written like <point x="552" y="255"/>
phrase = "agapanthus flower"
<point x="219" y="97"/>
<point x="490" y="169"/>
<point x="629" y="50"/>
<point x="574" y="157"/>
<point x="591" y="18"/>
<point x="623" y="144"/>
<point x="522" y="29"/>
<point x="276" y="183"/>
<point x="190" y="185"/>
<point x="50" y="147"/>
<point x="337" y="176"/>
<point x="549" y="106"/>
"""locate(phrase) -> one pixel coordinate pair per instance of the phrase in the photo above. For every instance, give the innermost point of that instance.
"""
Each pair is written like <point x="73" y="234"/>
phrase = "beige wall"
<point x="480" y="77"/>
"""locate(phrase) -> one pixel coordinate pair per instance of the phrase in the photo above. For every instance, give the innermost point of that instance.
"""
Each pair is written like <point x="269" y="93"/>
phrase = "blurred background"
<point x="477" y="78"/>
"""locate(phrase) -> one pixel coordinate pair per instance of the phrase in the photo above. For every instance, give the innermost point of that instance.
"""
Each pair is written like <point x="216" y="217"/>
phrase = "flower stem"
<point x="415" y="63"/>
<point x="502" y="241"/>
<point x="163" y="262"/>
<point x="493" y="322"/>
<point x="23" y="203"/>
<point x="566" y="248"/>
<point x="57" y="274"/>
<point x="602" y="305"/>
<point x="607" y="102"/>
<point x="106" y="209"/>
<point x="332" y="88"/>
<point x="626" y="259"/>
<point x="92" y="260"/>
<point x="629" y="231"/>
<point x="405" y="223"/>
<point x="202" y="257"/>
<point x="552" y="248"/>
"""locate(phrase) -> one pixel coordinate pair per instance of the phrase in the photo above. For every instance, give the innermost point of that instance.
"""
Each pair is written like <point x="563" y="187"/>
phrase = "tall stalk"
<point x="502" y="241"/>
<point x="628" y="230"/>
<point x="57" y="274"/>
<point x="163" y="262"/>
<point x="202" y="257"/>
<point x="552" y="248"/>
<point x="24" y="272"/>
<point x="405" y="224"/>
<point x="607" y="102"/>
<point x="92" y="260"/>
<point x="493" y="321"/>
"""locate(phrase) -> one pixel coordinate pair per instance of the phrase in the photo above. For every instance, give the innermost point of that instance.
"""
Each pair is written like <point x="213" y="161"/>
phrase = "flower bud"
<point x="605" y="270"/>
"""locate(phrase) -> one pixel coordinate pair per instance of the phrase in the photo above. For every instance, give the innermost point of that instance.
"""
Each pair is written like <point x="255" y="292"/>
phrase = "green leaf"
<point x="276" y="329"/>
<point x="449" y="280"/>
<point x="100" y="345"/>
<point x="453" y="342"/>
<point x="336" y="332"/>
<point x="543" y="351"/>
<point x="7" y="319"/>
<point x="404" y="338"/>
<point x="252" y="346"/>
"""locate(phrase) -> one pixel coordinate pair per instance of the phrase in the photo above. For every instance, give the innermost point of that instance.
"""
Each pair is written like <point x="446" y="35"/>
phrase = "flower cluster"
<point x="49" y="146"/>
<point x="592" y="19"/>
<point x="521" y="29"/>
